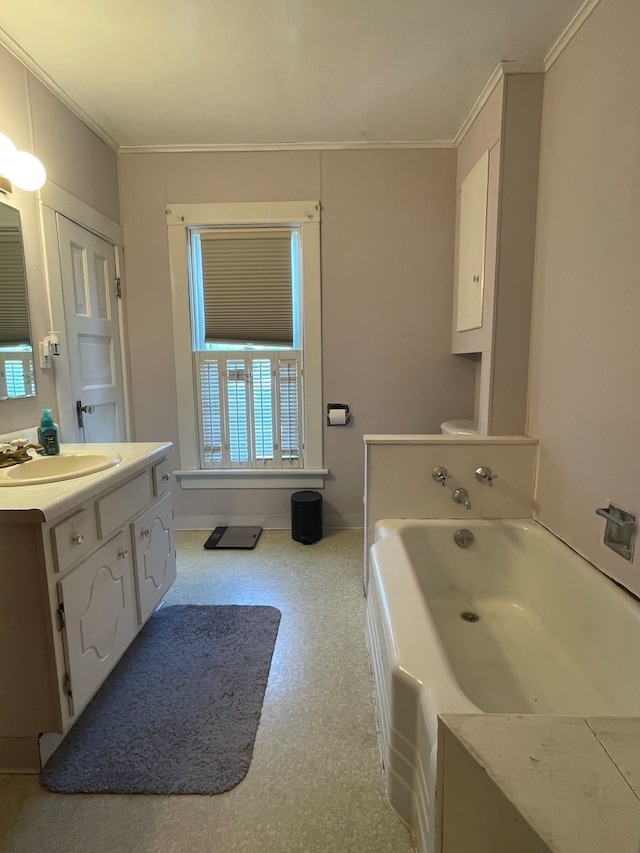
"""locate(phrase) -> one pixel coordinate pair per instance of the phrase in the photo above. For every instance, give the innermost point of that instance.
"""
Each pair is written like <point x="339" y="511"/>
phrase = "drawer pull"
<point x="78" y="538"/>
<point x="165" y="477"/>
<point x="146" y="532"/>
<point x="124" y="552"/>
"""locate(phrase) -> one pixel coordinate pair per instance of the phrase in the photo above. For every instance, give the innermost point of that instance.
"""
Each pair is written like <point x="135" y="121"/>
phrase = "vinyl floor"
<point x="315" y="784"/>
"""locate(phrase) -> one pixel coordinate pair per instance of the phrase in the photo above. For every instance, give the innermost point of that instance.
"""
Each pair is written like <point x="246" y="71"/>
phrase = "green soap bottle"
<point x="49" y="434"/>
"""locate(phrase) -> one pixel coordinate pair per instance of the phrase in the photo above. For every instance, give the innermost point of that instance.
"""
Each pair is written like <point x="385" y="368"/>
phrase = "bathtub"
<point x="515" y="623"/>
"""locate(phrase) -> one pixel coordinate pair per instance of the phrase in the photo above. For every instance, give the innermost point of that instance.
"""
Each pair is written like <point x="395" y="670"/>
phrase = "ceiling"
<point x="204" y="73"/>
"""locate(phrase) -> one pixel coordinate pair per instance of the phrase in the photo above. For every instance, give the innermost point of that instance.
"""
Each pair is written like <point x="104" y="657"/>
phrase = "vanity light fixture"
<point x="19" y="168"/>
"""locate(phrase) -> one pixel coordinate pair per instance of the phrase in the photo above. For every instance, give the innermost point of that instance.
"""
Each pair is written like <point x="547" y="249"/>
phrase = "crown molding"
<point x="31" y="65"/>
<point x="482" y="99"/>
<point x="283" y="146"/>
<point x="569" y="32"/>
<point x="501" y="70"/>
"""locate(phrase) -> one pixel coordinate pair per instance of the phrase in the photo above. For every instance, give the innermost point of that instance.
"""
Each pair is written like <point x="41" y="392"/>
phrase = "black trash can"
<point x="306" y="517"/>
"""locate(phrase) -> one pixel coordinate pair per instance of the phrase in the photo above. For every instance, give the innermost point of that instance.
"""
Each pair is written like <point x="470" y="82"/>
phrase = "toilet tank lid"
<point x="459" y="427"/>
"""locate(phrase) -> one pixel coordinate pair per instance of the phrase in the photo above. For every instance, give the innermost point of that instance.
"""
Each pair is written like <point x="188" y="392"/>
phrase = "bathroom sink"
<point x="51" y="469"/>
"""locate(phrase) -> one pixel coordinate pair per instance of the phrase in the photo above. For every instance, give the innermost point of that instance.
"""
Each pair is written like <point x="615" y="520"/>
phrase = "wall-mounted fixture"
<point x="620" y="532"/>
<point x="19" y="168"/>
<point x="338" y="414"/>
<point x="439" y="474"/>
<point x="49" y="347"/>
<point x="461" y="496"/>
<point x="484" y="475"/>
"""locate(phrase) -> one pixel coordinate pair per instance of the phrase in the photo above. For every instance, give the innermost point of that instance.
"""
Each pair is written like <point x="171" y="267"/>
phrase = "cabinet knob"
<point x="146" y="532"/>
<point x="165" y="477"/>
<point x="476" y="278"/>
<point x="124" y="552"/>
<point x="78" y="538"/>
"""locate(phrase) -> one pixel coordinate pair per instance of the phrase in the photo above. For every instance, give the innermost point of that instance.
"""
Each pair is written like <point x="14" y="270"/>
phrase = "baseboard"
<point x="331" y="521"/>
<point x="19" y="755"/>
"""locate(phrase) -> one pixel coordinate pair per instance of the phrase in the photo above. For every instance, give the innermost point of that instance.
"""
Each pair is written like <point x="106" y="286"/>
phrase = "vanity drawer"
<point x="115" y="509"/>
<point x="74" y="538"/>
<point x="161" y="477"/>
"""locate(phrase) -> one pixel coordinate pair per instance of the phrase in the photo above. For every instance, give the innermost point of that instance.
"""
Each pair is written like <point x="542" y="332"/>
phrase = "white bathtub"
<point x="554" y="636"/>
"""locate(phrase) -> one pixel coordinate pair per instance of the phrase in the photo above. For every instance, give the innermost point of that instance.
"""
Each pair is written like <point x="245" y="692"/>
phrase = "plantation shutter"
<point x="289" y="403"/>
<point x="211" y="409"/>
<point x="14" y="312"/>
<point x="250" y="409"/>
<point x="247" y="287"/>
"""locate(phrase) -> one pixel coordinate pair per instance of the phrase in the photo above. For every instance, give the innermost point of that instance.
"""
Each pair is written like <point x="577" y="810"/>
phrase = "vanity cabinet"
<point x="97" y="618"/>
<point x="77" y="588"/>
<point x="154" y="556"/>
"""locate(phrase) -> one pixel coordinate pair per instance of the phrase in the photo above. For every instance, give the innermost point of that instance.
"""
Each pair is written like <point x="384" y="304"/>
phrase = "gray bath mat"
<point x="233" y="537"/>
<point x="179" y="713"/>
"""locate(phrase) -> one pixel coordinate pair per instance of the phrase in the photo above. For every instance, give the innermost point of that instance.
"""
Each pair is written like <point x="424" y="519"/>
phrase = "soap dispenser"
<point x="49" y="434"/>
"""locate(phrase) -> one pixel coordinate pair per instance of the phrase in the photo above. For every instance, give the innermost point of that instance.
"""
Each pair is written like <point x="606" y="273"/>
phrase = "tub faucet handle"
<point x="484" y="475"/>
<point x="439" y="474"/>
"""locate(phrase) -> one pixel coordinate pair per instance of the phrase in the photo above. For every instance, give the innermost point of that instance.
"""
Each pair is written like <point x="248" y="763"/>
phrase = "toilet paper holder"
<point x="338" y="414"/>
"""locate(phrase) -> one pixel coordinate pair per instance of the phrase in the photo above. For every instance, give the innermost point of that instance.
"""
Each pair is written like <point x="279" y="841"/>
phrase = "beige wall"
<point x="76" y="161"/>
<point x="387" y="271"/>
<point x="584" y="395"/>
<point x="519" y="161"/>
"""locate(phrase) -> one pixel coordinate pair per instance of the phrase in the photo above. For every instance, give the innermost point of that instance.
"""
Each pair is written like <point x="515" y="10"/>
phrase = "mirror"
<point x="17" y="374"/>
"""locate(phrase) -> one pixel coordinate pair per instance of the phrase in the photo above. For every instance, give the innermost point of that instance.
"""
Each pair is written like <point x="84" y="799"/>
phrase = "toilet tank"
<point x="459" y="427"/>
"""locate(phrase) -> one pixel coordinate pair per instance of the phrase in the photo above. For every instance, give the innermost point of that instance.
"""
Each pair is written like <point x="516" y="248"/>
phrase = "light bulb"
<point x="26" y="171"/>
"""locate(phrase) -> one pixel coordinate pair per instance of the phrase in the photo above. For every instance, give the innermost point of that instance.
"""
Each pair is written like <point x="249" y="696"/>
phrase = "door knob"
<point x="83" y="410"/>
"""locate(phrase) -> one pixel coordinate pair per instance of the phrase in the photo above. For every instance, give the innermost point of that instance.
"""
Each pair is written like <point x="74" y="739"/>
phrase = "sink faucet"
<point x="461" y="496"/>
<point x="17" y="452"/>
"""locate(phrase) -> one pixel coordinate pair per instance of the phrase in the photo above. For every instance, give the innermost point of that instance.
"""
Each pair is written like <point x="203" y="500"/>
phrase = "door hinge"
<point x="118" y="288"/>
<point x="61" y="621"/>
<point x="66" y="685"/>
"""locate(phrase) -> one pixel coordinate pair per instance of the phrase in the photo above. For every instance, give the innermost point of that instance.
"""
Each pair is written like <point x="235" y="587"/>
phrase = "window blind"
<point x="247" y="287"/>
<point x="14" y="313"/>
<point x="250" y="409"/>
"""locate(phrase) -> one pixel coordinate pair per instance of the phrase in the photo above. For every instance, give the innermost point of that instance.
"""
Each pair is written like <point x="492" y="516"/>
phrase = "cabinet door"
<point x="155" y="555"/>
<point x="471" y="246"/>
<point x="99" y="617"/>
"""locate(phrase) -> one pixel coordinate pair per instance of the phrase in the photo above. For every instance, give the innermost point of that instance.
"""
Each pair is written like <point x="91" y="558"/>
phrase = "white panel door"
<point x="87" y="265"/>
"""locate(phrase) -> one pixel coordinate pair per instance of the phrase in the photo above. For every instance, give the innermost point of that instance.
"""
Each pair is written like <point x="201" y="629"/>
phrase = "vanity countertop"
<point x="43" y="502"/>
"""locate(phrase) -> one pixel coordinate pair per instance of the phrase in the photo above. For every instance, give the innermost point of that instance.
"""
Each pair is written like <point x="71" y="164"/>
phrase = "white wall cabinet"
<point x="471" y="246"/>
<point x="76" y="590"/>
<point x="498" y="163"/>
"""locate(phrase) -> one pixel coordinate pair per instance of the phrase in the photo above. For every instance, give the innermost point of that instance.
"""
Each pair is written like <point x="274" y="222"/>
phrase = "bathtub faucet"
<point x="461" y="496"/>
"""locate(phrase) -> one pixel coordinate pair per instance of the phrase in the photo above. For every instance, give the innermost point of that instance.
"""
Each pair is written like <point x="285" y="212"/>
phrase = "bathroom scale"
<point x="233" y="537"/>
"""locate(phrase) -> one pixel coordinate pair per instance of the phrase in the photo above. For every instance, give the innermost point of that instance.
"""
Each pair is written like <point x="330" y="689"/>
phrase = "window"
<point x="244" y="288"/>
<point x="16" y="372"/>
<point x="247" y="321"/>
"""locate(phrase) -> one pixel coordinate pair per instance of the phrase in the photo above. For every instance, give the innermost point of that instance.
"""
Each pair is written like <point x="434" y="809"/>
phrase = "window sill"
<point x="299" y="478"/>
